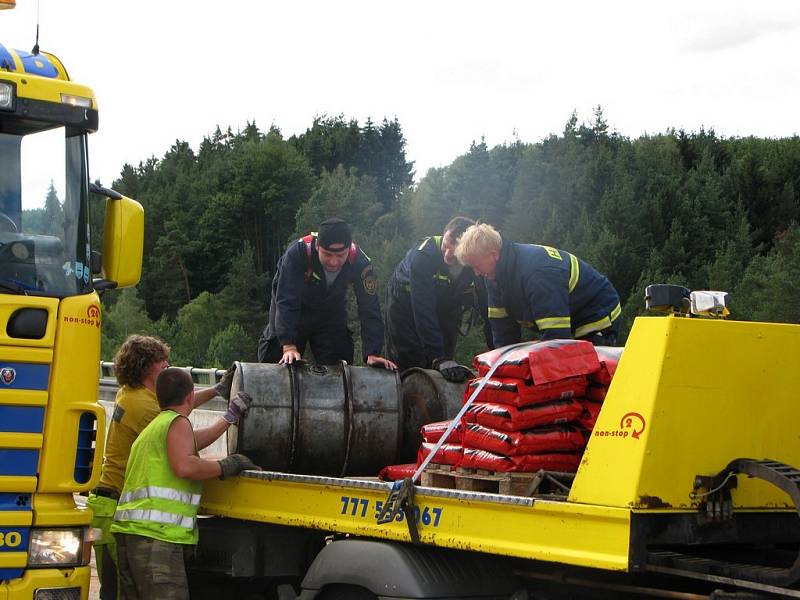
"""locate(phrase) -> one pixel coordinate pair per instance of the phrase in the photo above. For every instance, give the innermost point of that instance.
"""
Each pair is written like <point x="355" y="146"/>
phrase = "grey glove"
<point x="451" y="370"/>
<point x="236" y="463"/>
<point x="237" y="406"/>
<point x="223" y="387"/>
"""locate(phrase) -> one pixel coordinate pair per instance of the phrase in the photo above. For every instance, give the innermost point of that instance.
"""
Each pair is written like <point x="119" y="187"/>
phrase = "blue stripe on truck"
<point x="20" y="463"/>
<point x="21" y="419"/>
<point x="24" y="376"/>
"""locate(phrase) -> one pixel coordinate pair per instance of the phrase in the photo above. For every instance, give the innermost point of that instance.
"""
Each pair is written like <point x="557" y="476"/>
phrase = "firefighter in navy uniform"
<point x="549" y="290"/>
<point x="309" y="303"/>
<point x="428" y="295"/>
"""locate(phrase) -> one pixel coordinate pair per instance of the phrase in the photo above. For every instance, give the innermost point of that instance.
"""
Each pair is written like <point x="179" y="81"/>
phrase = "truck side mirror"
<point x="97" y="262"/>
<point x="123" y="243"/>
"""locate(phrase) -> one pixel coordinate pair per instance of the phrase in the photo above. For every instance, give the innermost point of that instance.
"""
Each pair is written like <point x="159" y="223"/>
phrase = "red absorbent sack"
<point x="609" y="359"/>
<point x="506" y="390"/>
<point x="483" y="459"/>
<point x="395" y="472"/>
<point x="596" y="393"/>
<point x="514" y="363"/>
<point x="532" y="441"/>
<point x="588" y="417"/>
<point x="506" y="417"/>
<point x="448" y="454"/>
<point x="542" y="361"/>
<point x="433" y="431"/>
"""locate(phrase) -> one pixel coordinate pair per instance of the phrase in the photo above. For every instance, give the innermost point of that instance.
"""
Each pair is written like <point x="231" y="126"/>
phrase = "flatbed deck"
<point x="549" y="530"/>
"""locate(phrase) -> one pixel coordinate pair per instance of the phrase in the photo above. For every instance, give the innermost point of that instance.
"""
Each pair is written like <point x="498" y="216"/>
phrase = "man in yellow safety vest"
<point x="156" y="516"/>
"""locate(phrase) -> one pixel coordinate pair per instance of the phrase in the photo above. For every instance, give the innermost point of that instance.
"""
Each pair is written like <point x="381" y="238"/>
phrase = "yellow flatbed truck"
<point x="50" y="318"/>
<point x="686" y="490"/>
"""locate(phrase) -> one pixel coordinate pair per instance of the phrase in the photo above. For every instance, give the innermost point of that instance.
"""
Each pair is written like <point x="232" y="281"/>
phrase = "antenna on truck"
<point x="35" y="50"/>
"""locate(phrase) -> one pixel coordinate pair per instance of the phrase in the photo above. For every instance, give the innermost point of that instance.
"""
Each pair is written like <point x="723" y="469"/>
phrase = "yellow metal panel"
<point x="20" y="440"/>
<point x="13" y="559"/>
<point x="690" y="395"/>
<point x="10" y="304"/>
<point x="545" y="530"/>
<point x="23" y="397"/>
<point x="73" y="392"/>
<point x="11" y="483"/>
<point x="18" y="518"/>
<point x="34" y="579"/>
<point x="22" y="354"/>
<point x="59" y="510"/>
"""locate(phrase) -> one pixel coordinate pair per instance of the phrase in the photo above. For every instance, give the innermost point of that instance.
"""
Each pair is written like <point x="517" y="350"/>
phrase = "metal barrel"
<point x="319" y="420"/>
<point x="427" y="397"/>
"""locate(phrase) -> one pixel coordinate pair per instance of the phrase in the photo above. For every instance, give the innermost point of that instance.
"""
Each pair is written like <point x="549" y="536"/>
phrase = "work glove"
<point x="234" y="464"/>
<point x="223" y="387"/>
<point x="237" y="406"/>
<point x="451" y="370"/>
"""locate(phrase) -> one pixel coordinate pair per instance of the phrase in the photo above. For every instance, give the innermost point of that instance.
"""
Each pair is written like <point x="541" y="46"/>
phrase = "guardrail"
<point x="204" y="377"/>
<point x="200" y="417"/>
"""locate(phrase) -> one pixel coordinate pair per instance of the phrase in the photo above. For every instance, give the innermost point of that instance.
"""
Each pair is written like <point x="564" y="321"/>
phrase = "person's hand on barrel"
<point x="237" y="407"/>
<point x="380" y="362"/>
<point x="223" y="387"/>
<point x="290" y="355"/>
<point x="451" y="370"/>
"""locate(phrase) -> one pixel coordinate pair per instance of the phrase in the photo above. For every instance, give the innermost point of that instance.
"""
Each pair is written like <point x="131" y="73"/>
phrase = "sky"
<point x="450" y="71"/>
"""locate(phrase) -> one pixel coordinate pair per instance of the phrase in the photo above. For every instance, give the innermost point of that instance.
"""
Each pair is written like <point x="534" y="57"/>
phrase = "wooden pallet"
<point x="496" y="482"/>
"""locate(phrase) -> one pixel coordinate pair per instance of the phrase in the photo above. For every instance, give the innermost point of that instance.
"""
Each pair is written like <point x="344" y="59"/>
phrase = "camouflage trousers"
<point x="151" y="568"/>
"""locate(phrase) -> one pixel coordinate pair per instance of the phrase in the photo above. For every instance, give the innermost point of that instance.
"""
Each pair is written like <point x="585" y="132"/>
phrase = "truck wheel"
<point x="347" y="592"/>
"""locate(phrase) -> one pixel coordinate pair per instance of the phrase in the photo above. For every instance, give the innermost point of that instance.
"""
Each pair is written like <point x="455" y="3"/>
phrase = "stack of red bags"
<point x="535" y="412"/>
<point x="525" y="418"/>
<point x="449" y="453"/>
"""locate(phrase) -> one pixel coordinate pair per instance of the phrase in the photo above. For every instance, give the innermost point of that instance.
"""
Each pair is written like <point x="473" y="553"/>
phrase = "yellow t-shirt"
<point x="134" y="408"/>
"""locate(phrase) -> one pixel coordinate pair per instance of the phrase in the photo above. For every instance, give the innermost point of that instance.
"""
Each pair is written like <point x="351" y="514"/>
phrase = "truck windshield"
<point x="44" y="236"/>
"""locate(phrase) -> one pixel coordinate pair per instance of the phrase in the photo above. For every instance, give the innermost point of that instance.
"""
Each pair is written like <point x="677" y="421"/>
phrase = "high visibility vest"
<point x="155" y="502"/>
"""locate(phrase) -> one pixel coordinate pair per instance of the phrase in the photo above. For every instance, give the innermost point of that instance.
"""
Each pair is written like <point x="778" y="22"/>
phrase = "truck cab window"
<point x="44" y="240"/>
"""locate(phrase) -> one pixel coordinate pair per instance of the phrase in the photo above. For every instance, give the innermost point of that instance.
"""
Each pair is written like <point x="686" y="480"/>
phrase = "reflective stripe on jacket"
<point x="548" y="290"/>
<point x="155" y="502"/>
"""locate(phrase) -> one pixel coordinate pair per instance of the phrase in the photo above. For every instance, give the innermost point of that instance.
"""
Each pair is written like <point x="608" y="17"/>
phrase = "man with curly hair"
<point x="137" y="364"/>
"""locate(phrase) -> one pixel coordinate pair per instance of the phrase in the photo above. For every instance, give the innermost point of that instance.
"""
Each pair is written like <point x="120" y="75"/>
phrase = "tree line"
<point x="692" y="208"/>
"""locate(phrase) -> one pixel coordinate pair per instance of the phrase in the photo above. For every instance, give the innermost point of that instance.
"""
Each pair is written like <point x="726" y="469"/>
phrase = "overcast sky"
<point x="450" y="71"/>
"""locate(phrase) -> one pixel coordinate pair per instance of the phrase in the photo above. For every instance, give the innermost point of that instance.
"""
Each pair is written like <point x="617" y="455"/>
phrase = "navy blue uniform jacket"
<point x="437" y="301"/>
<point x="298" y="295"/>
<point x="548" y="290"/>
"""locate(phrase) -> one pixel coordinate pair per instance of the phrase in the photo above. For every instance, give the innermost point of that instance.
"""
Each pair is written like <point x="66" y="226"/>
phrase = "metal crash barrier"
<point x="200" y="417"/>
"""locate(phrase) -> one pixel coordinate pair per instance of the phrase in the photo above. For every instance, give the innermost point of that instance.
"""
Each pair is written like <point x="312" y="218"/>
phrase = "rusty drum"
<point x="427" y="397"/>
<point x="320" y="420"/>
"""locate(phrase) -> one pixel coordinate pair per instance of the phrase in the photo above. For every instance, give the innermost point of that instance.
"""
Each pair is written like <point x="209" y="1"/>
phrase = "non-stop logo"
<point x="92" y="317"/>
<point x="631" y="425"/>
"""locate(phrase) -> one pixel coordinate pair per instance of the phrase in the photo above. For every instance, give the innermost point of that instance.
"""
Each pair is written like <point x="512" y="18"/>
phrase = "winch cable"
<point x="401" y="496"/>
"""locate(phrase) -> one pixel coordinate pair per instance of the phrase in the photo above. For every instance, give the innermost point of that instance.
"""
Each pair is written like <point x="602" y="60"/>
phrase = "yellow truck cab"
<point x="50" y="318"/>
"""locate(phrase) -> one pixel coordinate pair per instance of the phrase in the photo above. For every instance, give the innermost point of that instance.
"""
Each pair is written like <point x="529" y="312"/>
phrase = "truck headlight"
<point x="59" y="547"/>
<point x="6" y="95"/>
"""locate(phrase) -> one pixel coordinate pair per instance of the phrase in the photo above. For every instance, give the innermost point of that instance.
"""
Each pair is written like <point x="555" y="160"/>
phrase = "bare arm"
<point x="182" y="454"/>
<point x="208" y="435"/>
<point x="203" y="396"/>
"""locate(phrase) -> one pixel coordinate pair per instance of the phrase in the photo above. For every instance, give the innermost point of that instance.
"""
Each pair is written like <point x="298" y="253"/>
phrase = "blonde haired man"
<point x="546" y="289"/>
